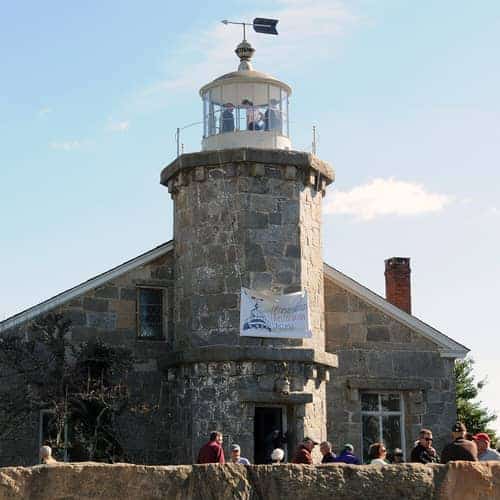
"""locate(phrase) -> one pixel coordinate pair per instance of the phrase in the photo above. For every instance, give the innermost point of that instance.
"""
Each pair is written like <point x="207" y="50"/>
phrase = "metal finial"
<point x="245" y="52"/>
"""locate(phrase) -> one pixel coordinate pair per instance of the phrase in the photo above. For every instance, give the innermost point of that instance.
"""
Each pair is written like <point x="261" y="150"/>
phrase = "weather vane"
<point x="260" y="25"/>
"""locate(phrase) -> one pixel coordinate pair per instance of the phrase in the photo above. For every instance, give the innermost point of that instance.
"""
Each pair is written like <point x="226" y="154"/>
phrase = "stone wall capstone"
<point x="454" y="481"/>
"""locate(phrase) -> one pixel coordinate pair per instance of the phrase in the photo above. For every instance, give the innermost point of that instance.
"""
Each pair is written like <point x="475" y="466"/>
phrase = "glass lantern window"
<point x="245" y="106"/>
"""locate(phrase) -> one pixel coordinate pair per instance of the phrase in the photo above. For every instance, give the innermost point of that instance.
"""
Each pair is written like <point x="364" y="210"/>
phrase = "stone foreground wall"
<point x="455" y="481"/>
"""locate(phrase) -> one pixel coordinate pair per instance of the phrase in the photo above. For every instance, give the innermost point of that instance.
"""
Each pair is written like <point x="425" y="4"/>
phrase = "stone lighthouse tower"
<point x="247" y="214"/>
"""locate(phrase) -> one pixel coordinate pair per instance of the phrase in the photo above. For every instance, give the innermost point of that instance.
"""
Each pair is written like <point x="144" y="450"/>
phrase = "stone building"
<point x="247" y="213"/>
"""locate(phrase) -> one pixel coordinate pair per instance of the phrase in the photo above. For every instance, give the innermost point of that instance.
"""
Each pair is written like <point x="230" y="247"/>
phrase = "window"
<point x="150" y="313"/>
<point x="383" y="420"/>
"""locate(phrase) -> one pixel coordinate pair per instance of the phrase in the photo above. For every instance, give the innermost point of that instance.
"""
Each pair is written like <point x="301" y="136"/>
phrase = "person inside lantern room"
<point x="227" y="118"/>
<point x="252" y="115"/>
<point x="272" y="117"/>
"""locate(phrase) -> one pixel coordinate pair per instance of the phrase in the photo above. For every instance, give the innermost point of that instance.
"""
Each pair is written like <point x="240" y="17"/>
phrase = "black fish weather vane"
<point x="260" y="25"/>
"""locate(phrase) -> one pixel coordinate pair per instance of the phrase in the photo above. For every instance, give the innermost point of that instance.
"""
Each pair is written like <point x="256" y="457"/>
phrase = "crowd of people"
<point x="463" y="446"/>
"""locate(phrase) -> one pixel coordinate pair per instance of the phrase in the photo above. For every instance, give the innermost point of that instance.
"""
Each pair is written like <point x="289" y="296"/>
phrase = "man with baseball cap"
<point x="303" y="453"/>
<point x="236" y="457"/>
<point x="485" y="453"/>
<point x="460" y="448"/>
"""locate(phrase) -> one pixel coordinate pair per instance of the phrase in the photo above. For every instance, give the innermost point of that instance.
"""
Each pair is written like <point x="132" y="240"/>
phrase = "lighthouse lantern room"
<point x="245" y="108"/>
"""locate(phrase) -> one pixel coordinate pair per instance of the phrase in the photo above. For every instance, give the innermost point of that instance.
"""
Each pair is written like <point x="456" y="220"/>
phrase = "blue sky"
<point x="404" y="95"/>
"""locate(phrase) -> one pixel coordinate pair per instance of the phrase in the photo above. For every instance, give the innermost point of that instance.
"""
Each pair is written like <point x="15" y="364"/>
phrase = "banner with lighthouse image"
<point x="276" y="316"/>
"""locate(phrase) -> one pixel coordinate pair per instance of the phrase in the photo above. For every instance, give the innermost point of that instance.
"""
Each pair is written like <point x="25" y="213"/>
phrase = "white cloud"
<point x="118" y="126"/>
<point x="44" y="111"/>
<point x="65" y="145"/>
<point x="381" y="197"/>
<point x="308" y="31"/>
<point x="494" y="211"/>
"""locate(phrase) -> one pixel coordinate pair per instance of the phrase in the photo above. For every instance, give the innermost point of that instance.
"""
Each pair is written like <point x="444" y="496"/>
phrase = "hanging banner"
<point x="277" y="316"/>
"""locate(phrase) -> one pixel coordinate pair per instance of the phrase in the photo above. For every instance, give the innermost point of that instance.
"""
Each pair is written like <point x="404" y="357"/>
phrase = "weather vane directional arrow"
<point x="260" y="25"/>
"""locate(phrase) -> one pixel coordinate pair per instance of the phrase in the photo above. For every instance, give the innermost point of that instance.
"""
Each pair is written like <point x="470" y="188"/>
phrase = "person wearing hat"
<point x="347" y="456"/>
<point x="303" y="453"/>
<point x="459" y="448"/>
<point x="236" y="457"/>
<point x="485" y="453"/>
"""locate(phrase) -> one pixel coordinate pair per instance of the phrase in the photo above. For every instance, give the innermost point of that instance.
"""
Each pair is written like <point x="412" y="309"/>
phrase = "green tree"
<point x="469" y="409"/>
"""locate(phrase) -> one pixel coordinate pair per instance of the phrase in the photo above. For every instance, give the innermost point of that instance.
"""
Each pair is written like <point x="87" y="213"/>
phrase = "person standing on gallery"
<point x="212" y="452"/>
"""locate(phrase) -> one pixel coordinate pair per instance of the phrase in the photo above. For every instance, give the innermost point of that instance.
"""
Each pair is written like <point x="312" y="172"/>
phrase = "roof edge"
<point x="84" y="287"/>
<point x="449" y="348"/>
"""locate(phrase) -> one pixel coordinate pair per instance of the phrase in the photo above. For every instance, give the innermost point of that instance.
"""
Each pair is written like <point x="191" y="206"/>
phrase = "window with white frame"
<point x="382" y="415"/>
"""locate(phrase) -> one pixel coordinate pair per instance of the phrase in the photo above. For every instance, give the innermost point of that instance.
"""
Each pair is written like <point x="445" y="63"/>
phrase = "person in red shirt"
<point x="303" y="453"/>
<point x="212" y="452"/>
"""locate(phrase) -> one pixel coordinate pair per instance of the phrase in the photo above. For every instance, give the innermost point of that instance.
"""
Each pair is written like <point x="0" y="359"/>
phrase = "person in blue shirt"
<point x="236" y="457"/>
<point x="347" y="456"/>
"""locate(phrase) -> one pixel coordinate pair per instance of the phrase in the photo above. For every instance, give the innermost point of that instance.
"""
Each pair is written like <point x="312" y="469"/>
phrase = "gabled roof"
<point x="449" y="348"/>
<point x="95" y="282"/>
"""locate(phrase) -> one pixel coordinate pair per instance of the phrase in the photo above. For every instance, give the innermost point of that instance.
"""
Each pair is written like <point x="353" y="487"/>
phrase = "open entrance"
<point x="269" y="428"/>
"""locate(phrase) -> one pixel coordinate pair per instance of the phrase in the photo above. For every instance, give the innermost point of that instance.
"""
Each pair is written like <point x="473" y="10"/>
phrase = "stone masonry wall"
<point x="245" y="223"/>
<point x="109" y="313"/>
<point x="378" y="353"/>
<point x="208" y="396"/>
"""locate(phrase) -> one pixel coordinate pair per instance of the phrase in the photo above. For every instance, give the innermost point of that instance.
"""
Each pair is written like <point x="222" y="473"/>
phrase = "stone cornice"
<point x="220" y="353"/>
<point x="298" y="159"/>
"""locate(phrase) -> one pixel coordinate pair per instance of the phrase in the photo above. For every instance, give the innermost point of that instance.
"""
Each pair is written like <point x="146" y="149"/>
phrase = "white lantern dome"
<point x="245" y="108"/>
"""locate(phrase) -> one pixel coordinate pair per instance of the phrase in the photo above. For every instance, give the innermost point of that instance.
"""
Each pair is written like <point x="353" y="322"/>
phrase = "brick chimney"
<point x="397" y="282"/>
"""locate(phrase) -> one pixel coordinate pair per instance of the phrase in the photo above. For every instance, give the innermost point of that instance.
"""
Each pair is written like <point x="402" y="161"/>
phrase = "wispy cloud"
<point x="44" y="111"/>
<point x="118" y="126"/>
<point x="495" y="211"/>
<point x="308" y="31"/>
<point x="381" y="197"/>
<point x="65" y="145"/>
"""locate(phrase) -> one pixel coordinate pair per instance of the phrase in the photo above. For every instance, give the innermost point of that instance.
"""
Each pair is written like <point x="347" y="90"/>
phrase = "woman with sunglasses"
<point x="377" y="454"/>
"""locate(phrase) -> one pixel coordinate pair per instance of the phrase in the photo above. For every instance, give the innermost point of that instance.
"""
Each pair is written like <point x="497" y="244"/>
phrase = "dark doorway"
<point x="267" y="419"/>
